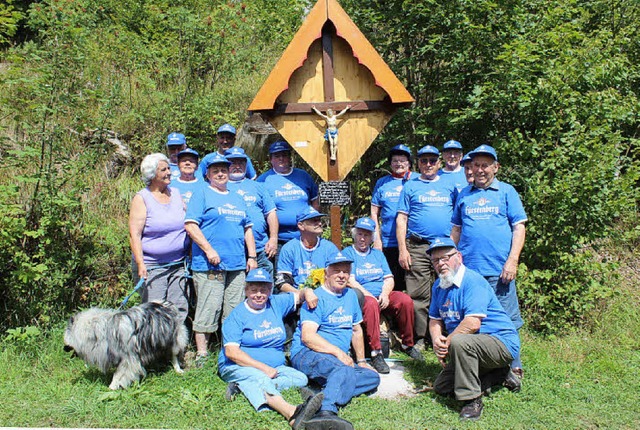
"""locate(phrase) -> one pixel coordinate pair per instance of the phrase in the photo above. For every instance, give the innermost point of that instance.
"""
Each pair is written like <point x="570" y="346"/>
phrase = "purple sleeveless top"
<point x="164" y="238"/>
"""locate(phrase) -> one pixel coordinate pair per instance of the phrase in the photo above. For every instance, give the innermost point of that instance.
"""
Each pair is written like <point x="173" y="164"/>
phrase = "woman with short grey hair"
<point x="158" y="240"/>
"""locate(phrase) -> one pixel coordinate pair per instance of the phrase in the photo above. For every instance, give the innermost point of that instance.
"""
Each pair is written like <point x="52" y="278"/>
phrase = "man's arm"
<point x="440" y="341"/>
<point x="357" y="341"/>
<point x="455" y="234"/>
<point x="317" y="343"/>
<point x="272" y="245"/>
<point x="387" y="288"/>
<point x="375" y="213"/>
<point x="401" y="234"/>
<point x="510" y="268"/>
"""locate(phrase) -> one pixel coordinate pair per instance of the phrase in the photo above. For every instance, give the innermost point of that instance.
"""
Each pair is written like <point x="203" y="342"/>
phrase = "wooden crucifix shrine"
<point x="329" y="64"/>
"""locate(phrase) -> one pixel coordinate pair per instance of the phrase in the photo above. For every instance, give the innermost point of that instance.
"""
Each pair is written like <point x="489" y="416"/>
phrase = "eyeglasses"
<point x="444" y="259"/>
<point x="430" y="160"/>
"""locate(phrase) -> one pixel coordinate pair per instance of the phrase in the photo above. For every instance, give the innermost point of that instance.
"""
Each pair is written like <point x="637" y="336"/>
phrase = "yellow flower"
<point x="315" y="279"/>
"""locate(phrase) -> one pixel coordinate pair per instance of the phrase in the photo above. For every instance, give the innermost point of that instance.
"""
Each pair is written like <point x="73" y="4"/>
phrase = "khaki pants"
<point x="419" y="281"/>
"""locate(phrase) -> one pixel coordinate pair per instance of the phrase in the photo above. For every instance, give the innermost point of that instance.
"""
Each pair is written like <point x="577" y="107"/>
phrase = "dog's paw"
<point x="179" y="371"/>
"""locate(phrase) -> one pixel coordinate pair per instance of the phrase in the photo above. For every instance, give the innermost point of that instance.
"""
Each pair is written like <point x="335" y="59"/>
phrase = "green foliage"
<point x="23" y="336"/>
<point x="9" y="21"/>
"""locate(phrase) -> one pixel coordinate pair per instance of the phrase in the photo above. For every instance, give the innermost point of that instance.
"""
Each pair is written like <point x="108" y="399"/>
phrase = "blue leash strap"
<point x="138" y="286"/>
<point x="140" y="283"/>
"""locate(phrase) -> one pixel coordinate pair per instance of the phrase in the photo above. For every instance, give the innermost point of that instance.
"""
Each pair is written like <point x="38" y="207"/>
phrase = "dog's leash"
<point x="135" y="290"/>
<point x="186" y="274"/>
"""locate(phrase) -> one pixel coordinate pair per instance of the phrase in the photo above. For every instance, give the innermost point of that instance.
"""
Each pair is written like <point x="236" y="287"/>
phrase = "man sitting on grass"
<point x="473" y="337"/>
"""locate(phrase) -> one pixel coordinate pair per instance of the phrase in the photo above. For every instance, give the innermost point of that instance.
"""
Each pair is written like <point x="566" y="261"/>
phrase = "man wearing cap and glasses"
<point x="473" y="338"/>
<point x="176" y="142"/>
<point x="225" y="140"/>
<point x="260" y="207"/>
<point x="452" y="170"/>
<point x="424" y="213"/>
<point x="489" y="228"/>
<point x="384" y="208"/>
<point x="322" y="342"/>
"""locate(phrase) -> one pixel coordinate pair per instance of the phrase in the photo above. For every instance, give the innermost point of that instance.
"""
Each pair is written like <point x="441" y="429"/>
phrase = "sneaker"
<point x="472" y="409"/>
<point x="512" y="382"/>
<point x="327" y="420"/>
<point x="232" y="390"/>
<point x="306" y="411"/>
<point x="201" y="360"/>
<point x="419" y="345"/>
<point x="414" y="353"/>
<point x="378" y="363"/>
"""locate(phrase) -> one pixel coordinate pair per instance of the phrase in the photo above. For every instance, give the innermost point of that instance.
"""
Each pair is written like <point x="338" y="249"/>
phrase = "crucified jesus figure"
<point x="331" y="135"/>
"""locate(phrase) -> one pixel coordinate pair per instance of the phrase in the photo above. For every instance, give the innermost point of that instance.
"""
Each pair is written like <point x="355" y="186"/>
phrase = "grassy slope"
<point x="576" y="381"/>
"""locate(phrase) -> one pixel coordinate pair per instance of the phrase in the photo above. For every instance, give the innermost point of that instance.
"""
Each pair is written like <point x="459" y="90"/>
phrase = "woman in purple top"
<point x="157" y="235"/>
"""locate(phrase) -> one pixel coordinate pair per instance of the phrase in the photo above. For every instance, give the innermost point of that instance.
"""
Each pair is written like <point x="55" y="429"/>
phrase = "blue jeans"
<point x="508" y="298"/>
<point x="264" y="262"/>
<point x="255" y="384"/>
<point x="341" y="382"/>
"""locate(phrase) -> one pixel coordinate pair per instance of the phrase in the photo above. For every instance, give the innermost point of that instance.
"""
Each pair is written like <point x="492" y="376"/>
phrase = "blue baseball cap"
<point x="366" y="223"/>
<point x="227" y="128"/>
<point x="452" y="144"/>
<point x="428" y="150"/>
<point x="217" y="159"/>
<point x="400" y="150"/>
<point x="441" y="242"/>
<point x="188" y="151"/>
<point x="279" y="146"/>
<point x="465" y="158"/>
<point x="258" y="275"/>
<point x="235" y="152"/>
<point x="338" y="258"/>
<point x="484" y="150"/>
<point x="308" y="213"/>
<point x="176" y="139"/>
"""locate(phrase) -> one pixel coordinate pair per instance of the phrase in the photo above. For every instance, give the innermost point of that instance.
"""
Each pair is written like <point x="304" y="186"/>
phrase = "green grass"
<point x="581" y="380"/>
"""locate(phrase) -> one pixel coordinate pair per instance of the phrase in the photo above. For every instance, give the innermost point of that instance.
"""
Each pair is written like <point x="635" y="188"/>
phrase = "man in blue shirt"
<point x="384" y="208"/>
<point x="424" y="213"/>
<point x="489" y="228"/>
<point x="226" y="139"/>
<point x="322" y="342"/>
<point x="473" y="338"/>
<point x="260" y="207"/>
<point x="176" y="142"/>
<point x="452" y="170"/>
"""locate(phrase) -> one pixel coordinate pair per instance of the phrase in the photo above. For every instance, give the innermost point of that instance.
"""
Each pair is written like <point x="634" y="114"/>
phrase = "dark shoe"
<point x="512" y="381"/>
<point x="378" y="363"/>
<point x="414" y="353"/>
<point x="472" y="410"/>
<point x="201" y="360"/>
<point x="306" y="410"/>
<point x="232" y="390"/>
<point x="327" y="420"/>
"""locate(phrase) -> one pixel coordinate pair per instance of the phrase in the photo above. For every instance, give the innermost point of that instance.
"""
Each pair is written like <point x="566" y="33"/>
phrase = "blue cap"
<point x="452" y="144"/>
<point x="484" y="150"/>
<point x="258" y="275"/>
<point x="338" y="258"/>
<point x="227" y="128"/>
<point x="402" y="149"/>
<point x="465" y="158"/>
<point x="428" y="150"/>
<point x="366" y="223"/>
<point x="279" y="146"/>
<point x="441" y="242"/>
<point x="216" y="158"/>
<point x="308" y="213"/>
<point x="176" y="139"/>
<point x="235" y="152"/>
<point x="188" y="151"/>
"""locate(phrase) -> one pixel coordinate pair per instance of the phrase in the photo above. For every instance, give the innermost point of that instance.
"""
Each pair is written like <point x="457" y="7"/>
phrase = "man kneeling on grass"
<point x="481" y="342"/>
<point x="321" y="346"/>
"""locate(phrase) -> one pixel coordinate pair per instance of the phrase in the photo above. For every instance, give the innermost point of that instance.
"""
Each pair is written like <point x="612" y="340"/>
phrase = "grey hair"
<point x="353" y="234"/>
<point x="149" y="166"/>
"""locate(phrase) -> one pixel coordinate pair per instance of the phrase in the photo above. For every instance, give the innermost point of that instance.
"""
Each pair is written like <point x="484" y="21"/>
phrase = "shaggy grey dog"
<point x="128" y="340"/>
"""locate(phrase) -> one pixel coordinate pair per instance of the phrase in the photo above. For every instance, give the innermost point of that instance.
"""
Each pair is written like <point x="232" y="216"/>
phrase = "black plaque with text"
<point x="337" y="193"/>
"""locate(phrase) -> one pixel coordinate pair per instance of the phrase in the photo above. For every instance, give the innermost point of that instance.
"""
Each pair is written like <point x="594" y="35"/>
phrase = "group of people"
<point x="252" y="244"/>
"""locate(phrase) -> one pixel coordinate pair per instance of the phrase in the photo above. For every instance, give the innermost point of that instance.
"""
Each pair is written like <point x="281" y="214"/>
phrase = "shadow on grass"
<point x="424" y="375"/>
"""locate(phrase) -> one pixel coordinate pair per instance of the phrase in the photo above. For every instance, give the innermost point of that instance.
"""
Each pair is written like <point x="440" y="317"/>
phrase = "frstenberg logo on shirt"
<point x="229" y="209"/>
<point x="393" y="193"/>
<point x="246" y="196"/>
<point x="479" y="207"/>
<point x="433" y="196"/>
<point x="341" y="317"/>
<point x="268" y="330"/>
<point x="290" y="190"/>
<point x="368" y="269"/>
<point x="449" y="314"/>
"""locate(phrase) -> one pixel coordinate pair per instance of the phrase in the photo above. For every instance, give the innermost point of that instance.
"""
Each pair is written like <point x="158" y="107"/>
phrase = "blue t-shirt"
<point x="335" y="317"/>
<point x="259" y="205"/>
<point x="370" y="269"/>
<point x="299" y="261"/>
<point x="486" y="217"/>
<point x="474" y="297"/>
<point x="259" y="333"/>
<point x="188" y="188"/>
<point x="458" y="178"/>
<point x="175" y="172"/>
<point x="222" y="217"/>
<point x="292" y="194"/>
<point x="428" y="205"/>
<point x="249" y="174"/>
<point x="386" y="194"/>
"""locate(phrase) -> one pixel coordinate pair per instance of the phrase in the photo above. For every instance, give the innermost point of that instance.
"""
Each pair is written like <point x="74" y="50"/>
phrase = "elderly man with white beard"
<point x="473" y="337"/>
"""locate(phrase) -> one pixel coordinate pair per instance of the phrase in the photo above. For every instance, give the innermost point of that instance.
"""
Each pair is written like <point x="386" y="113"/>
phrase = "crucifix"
<point x="330" y="66"/>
